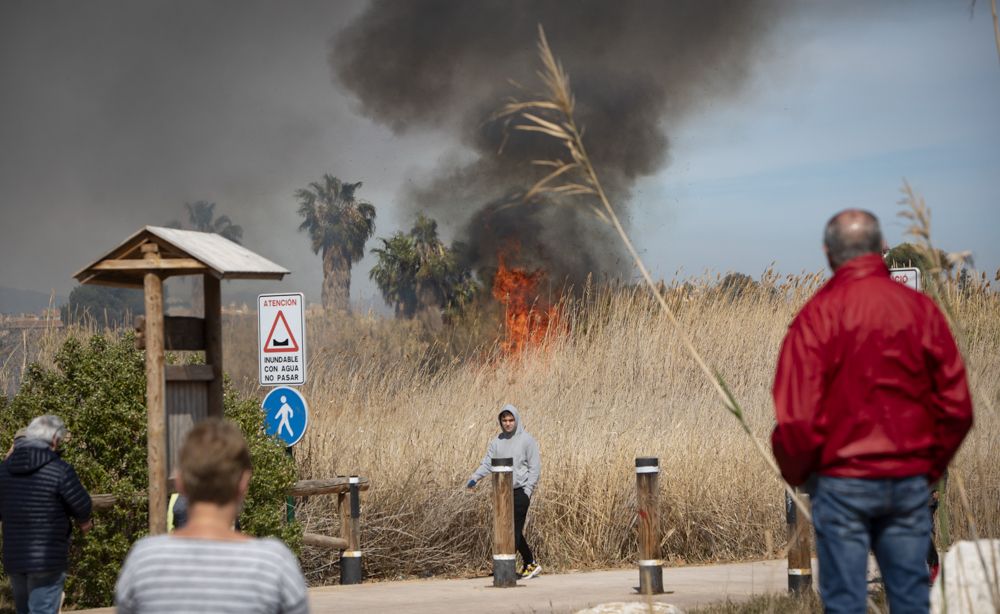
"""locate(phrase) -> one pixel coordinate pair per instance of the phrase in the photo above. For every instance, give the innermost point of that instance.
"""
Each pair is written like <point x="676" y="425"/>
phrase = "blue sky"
<point x="840" y="114"/>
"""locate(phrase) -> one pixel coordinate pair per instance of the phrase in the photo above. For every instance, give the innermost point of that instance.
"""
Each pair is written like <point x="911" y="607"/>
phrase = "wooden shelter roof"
<point x="181" y="252"/>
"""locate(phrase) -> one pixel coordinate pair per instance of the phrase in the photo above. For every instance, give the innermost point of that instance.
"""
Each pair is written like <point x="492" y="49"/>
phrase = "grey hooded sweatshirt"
<point x="520" y="446"/>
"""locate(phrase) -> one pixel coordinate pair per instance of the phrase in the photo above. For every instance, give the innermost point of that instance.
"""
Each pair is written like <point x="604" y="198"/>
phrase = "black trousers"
<point x="521" y="503"/>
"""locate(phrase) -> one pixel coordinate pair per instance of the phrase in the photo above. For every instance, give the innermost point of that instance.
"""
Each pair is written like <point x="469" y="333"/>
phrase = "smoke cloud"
<point x="637" y="69"/>
<point x="116" y="113"/>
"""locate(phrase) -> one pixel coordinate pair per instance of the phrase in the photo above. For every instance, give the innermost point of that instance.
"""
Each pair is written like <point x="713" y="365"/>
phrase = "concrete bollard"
<point x="350" y="530"/>
<point x="504" y="559"/>
<point x="647" y="470"/>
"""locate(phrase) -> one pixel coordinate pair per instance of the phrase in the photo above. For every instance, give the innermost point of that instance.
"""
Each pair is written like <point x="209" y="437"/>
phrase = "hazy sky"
<point x="113" y="114"/>
<point x="846" y="110"/>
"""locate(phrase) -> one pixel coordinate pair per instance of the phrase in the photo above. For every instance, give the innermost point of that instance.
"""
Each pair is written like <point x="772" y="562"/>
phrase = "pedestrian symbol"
<point x="284" y="341"/>
<point x="286" y="414"/>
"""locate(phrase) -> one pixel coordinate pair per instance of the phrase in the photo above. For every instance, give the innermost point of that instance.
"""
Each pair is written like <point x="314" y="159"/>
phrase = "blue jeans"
<point x="887" y="516"/>
<point x="37" y="593"/>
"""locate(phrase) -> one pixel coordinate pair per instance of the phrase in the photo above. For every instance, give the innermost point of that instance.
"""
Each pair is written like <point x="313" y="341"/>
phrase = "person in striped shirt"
<point x="208" y="566"/>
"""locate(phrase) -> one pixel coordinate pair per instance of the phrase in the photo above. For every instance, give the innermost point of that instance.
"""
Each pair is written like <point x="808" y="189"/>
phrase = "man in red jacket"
<point x="871" y="399"/>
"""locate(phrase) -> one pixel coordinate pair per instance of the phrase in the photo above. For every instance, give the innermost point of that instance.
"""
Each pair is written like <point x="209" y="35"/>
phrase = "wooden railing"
<point x="347" y="490"/>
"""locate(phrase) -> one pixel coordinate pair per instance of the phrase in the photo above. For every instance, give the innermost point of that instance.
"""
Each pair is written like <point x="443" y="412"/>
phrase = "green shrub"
<point x="98" y="387"/>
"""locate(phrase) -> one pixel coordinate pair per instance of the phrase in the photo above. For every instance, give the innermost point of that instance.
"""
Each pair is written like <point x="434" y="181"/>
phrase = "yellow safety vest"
<point x="170" y="512"/>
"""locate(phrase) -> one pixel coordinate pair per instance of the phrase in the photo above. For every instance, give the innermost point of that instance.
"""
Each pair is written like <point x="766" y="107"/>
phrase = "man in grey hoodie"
<point x="515" y="442"/>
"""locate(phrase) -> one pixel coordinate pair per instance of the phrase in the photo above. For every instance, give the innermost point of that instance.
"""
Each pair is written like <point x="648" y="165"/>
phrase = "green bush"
<point x="98" y="387"/>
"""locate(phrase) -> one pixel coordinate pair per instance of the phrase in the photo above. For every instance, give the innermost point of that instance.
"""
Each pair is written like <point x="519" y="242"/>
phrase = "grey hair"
<point x="844" y="243"/>
<point x="44" y="428"/>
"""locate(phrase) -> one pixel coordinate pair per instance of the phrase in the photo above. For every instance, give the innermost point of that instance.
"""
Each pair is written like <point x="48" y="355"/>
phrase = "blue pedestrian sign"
<point x="285" y="414"/>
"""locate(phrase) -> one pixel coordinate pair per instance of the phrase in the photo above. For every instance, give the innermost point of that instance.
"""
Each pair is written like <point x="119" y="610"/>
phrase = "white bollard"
<point x="968" y="582"/>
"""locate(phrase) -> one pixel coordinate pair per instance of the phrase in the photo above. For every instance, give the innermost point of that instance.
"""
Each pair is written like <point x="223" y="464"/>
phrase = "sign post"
<point x="281" y="339"/>
<point x="286" y="414"/>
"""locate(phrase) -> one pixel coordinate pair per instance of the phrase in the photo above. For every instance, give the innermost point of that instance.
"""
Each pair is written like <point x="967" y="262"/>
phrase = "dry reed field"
<point x="413" y="409"/>
<point x="613" y="384"/>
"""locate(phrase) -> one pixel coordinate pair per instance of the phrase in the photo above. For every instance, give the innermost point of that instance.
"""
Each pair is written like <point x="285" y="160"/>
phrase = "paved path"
<point x="550" y="593"/>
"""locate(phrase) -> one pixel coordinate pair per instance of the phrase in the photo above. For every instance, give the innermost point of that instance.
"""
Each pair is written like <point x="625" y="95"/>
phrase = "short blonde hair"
<point x="212" y="461"/>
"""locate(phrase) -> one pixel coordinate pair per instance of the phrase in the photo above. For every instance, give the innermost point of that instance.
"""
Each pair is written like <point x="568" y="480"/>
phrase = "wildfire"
<point x="527" y="320"/>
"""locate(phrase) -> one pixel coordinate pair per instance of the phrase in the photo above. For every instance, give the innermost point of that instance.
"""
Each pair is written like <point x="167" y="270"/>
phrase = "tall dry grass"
<point x="978" y="462"/>
<point x="617" y="384"/>
<point x="613" y="385"/>
<point x="18" y="349"/>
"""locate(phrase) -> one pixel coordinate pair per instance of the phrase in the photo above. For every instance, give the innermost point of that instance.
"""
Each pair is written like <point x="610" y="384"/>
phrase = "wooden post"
<point x="647" y="470"/>
<point x="799" y="555"/>
<point x="290" y="500"/>
<point x="156" y="408"/>
<point x="350" y="530"/>
<point x="504" y="559"/>
<point x="213" y="343"/>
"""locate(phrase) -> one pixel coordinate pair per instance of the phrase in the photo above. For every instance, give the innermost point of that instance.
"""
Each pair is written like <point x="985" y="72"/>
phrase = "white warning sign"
<point x="282" y="339"/>
<point x="908" y="277"/>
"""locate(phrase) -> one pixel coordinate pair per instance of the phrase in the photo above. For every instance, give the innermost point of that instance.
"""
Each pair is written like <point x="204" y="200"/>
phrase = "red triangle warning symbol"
<point x="285" y="341"/>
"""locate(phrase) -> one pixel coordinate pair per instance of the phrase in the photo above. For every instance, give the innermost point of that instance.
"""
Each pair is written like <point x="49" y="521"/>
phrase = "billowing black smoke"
<point x="636" y="67"/>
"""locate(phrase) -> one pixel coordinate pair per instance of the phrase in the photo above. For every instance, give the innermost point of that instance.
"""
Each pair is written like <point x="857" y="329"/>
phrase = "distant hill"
<point x="13" y="300"/>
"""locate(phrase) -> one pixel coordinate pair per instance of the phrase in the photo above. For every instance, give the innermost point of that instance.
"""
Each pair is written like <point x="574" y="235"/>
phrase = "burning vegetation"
<point x="528" y="319"/>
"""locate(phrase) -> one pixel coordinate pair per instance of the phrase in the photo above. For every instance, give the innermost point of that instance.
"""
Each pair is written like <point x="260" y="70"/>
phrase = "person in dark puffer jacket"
<point x="39" y="495"/>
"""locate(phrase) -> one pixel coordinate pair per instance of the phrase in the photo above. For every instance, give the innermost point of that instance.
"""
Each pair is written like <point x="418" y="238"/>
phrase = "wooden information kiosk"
<point x="177" y="396"/>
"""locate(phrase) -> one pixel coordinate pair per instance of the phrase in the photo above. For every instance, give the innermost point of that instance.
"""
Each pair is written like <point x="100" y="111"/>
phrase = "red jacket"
<point x="869" y="382"/>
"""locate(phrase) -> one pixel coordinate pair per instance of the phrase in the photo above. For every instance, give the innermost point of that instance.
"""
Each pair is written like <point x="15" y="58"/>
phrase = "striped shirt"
<point x="164" y="574"/>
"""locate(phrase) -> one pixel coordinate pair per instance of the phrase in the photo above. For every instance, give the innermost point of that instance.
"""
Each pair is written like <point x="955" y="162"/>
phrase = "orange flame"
<point x="526" y="320"/>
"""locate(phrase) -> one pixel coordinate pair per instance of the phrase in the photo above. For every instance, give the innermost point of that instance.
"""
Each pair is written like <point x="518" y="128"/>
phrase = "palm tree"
<point x="201" y="217"/>
<point x="417" y="272"/>
<point x="395" y="273"/>
<point x="339" y="226"/>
